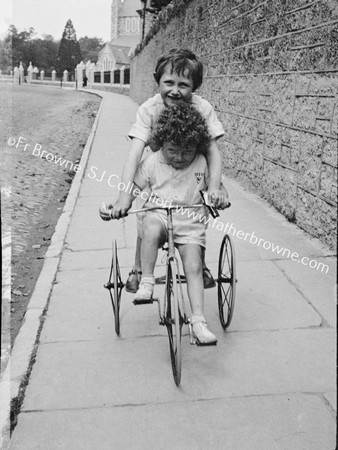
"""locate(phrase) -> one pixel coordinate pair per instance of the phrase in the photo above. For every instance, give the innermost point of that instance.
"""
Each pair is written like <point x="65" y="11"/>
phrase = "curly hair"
<point x="182" y="125"/>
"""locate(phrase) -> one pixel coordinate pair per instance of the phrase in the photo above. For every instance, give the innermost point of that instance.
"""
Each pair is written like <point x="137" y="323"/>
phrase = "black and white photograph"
<point x="169" y="224"/>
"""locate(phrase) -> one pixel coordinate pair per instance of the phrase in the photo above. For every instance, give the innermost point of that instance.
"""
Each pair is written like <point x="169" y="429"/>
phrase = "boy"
<point x="176" y="173"/>
<point x="178" y="74"/>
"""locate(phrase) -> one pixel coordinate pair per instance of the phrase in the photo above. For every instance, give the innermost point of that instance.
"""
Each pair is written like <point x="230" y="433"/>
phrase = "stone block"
<point x="317" y="217"/>
<point x="323" y="126"/>
<point x="328" y="177"/>
<point x="257" y="31"/>
<point x="317" y="58"/>
<point x="276" y="178"/>
<point x="273" y="137"/>
<point x="281" y="54"/>
<point x="334" y="127"/>
<point x="305" y="112"/>
<point x="310" y="161"/>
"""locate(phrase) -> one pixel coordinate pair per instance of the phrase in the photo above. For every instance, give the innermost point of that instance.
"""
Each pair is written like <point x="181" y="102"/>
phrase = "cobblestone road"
<point x="34" y="188"/>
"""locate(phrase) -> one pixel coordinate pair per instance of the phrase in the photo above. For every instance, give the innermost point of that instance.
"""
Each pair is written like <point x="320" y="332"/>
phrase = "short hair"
<point x="181" y="125"/>
<point x="180" y="60"/>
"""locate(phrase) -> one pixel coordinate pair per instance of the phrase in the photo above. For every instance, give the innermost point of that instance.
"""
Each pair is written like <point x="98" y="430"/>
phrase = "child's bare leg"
<point x="137" y="263"/>
<point x="203" y="258"/>
<point x="134" y="277"/>
<point x="208" y="280"/>
<point x="191" y="255"/>
<point x="153" y="236"/>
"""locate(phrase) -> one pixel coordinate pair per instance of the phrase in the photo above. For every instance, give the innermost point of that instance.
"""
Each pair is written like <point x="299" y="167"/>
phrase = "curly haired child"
<point x="176" y="173"/>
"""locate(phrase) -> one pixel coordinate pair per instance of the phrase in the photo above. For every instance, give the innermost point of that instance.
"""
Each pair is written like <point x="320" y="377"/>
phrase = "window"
<point x="127" y="24"/>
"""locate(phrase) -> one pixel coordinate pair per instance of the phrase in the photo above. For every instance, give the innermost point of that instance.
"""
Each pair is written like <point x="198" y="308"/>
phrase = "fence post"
<point x="53" y="75"/>
<point x="91" y="71"/>
<point x="16" y="75"/>
<point x="65" y="75"/>
<point x="30" y="73"/>
<point x="80" y="69"/>
<point x="42" y="75"/>
<point x="122" y="75"/>
<point x="21" y="73"/>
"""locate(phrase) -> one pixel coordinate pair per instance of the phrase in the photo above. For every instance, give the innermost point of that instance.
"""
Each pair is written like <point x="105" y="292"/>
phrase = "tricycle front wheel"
<point x="226" y="281"/>
<point x="115" y="286"/>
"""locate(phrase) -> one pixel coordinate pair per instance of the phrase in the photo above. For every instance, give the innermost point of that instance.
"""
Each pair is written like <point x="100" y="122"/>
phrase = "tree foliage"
<point x="69" y="54"/>
<point x="90" y="48"/>
<point x="21" y="46"/>
<point x="43" y="53"/>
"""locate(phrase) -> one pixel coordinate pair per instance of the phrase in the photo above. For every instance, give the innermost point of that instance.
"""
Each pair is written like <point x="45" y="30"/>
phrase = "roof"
<point x="127" y="41"/>
<point x="120" y="53"/>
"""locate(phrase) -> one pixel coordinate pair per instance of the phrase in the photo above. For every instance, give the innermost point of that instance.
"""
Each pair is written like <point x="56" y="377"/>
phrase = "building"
<point x="125" y="34"/>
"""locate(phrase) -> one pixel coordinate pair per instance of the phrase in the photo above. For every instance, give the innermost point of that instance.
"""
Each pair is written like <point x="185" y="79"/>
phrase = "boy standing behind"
<point x="178" y="74"/>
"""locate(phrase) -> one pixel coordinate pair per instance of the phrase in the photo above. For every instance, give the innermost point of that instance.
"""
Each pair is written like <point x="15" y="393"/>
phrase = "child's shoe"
<point x="133" y="281"/>
<point x="200" y="331"/>
<point x="146" y="289"/>
<point x="208" y="279"/>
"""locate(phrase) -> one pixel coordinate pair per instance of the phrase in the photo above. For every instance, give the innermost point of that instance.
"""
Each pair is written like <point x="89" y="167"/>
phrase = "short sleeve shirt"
<point x="150" y="110"/>
<point x="176" y="187"/>
<point x="179" y="186"/>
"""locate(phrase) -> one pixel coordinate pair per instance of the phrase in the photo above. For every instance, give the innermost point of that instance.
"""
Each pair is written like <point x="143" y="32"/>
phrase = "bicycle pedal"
<point x="142" y="301"/>
<point x="162" y="280"/>
<point x="205" y="344"/>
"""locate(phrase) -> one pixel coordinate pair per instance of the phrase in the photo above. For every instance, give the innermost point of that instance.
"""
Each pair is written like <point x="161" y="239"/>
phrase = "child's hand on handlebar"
<point x="219" y="197"/>
<point x="105" y="211"/>
<point x="121" y="208"/>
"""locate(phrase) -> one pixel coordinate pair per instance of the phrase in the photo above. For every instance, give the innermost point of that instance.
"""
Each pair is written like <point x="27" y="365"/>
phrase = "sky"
<point x="90" y="17"/>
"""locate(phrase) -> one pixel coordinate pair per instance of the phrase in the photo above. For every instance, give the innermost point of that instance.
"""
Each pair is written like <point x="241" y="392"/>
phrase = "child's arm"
<point x="217" y="195"/>
<point x="139" y="132"/>
<point x="124" y="201"/>
<point x="106" y="211"/>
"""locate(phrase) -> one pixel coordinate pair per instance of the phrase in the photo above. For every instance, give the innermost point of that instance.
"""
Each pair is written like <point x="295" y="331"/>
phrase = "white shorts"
<point x="186" y="230"/>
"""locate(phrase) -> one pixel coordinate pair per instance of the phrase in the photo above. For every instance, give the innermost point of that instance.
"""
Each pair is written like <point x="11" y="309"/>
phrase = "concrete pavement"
<point x="268" y="384"/>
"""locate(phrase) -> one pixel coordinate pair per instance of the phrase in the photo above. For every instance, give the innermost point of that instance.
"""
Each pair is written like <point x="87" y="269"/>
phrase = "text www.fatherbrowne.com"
<point x="115" y="182"/>
<point x="254" y="240"/>
<point x="216" y="223"/>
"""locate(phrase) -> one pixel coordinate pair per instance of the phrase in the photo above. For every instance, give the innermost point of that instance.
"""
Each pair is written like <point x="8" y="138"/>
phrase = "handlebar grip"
<point x="213" y="211"/>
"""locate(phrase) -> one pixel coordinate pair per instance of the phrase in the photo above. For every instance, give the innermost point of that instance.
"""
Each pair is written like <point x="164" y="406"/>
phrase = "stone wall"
<point x="117" y="89"/>
<point x="271" y="73"/>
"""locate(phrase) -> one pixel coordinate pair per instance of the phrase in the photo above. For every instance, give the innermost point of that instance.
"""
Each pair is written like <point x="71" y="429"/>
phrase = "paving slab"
<point x="256" y="307"/>
<point x="265" y="300"/>
<point x="97" y="234"/>
<point x="110" y="372"/>
<point x="319" y="287"/>
<point x="80" y="310"/>
<point x="292" y="421"/>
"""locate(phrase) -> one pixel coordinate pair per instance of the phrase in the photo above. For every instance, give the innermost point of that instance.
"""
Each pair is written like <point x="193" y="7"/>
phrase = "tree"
<point x="44" y="53"/>
<point x="90" y="48"/>
<point x="6" y="56"/>
<point x="69" y="54"/>
<point x="22" y="47"/>
<point x="158" y="4"/>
